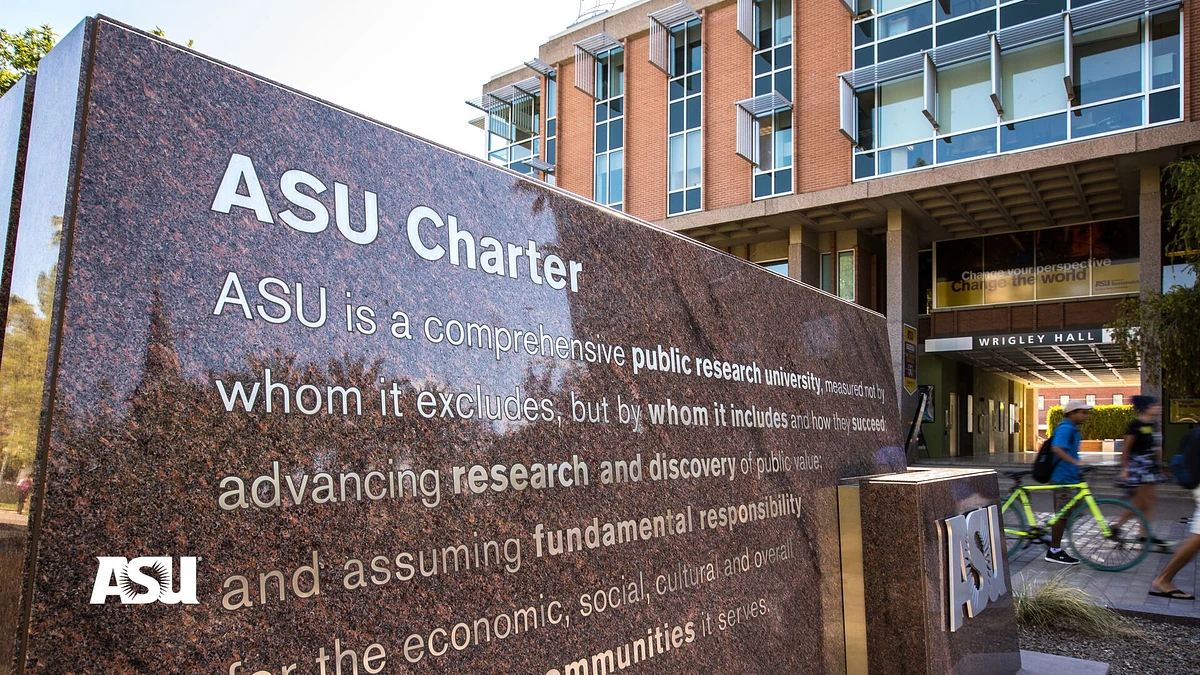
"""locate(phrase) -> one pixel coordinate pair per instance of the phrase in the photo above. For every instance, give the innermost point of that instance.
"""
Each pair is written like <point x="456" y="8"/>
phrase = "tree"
<point x="20" y="53"/>
<point x="1163" y="328"/>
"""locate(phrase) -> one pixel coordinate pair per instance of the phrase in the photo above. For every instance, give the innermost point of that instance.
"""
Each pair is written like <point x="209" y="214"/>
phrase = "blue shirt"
<point x="1066" y="436"/>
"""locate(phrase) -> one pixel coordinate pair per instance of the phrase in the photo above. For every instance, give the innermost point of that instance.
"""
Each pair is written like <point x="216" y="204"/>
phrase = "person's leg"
<point x="1061" y="497"/>
<point x="1164" y="582"/>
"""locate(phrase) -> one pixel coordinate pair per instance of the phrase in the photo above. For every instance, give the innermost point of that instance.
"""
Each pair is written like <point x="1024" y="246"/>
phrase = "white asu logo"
<point x="975" y="562"/>
<point x="142" y="581"/>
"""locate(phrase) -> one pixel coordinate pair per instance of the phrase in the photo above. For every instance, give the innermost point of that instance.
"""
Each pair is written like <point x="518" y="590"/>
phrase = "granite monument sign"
<point x="300" y="393"/>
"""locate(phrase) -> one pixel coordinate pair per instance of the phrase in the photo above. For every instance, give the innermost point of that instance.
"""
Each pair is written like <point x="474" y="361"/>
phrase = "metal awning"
<point x="765" y="104"/>
<point x="541" y="67"/>
<point x="539" y="164"/>
<point x="661" y="23"/>
<point x="586" y="51"/>
<point x="1068" y="364"/>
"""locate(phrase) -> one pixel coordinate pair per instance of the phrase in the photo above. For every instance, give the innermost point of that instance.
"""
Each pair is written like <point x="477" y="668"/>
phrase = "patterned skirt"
<point x="1144" y="470"/>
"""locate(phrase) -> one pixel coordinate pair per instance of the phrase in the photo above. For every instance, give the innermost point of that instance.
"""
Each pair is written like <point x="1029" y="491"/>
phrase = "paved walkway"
<point x="1128" y="590"/>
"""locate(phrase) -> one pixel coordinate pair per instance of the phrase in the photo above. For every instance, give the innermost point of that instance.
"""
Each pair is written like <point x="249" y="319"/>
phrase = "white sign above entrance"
<point x="1020" y="340"/>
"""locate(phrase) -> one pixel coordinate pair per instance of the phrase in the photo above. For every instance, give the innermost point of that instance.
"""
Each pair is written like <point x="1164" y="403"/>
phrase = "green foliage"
<point x="1162" y="328"/>
<point x="163" y="34"/>
<point x="1055" y="603"/>
<point x="20" y="53"/>
<point x="1105" y="422"/>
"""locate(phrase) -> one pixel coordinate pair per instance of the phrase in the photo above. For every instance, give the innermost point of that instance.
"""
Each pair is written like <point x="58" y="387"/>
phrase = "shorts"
<point x="1144" y="470"/>
<point x="1195" y="529"/>
<point x="1062" y="496"/>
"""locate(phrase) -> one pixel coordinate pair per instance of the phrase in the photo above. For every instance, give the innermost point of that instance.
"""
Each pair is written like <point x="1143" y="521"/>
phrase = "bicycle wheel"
<point x="1124" y="547"/>
<point x="1014" y="521"/>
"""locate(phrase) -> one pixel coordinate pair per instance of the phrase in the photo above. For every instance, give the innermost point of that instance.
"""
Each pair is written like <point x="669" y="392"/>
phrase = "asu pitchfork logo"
<point x="975" y="562"/>
<point x="142" y="581"/>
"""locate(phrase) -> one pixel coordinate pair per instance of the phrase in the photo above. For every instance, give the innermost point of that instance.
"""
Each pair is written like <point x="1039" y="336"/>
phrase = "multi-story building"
<point x="987" y="172"/>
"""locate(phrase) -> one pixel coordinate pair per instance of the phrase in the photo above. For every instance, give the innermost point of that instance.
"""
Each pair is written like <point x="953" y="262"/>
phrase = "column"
<point x="804" y="259"/>
<point x="1150" y="236"/>
<point x="901" y="301"/>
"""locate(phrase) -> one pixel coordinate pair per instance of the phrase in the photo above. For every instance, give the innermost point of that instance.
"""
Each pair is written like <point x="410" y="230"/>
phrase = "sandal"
<point x="1173" y="594"/>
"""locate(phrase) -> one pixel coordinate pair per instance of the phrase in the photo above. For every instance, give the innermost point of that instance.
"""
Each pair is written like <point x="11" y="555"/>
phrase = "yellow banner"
<point x="1122" y="278"/>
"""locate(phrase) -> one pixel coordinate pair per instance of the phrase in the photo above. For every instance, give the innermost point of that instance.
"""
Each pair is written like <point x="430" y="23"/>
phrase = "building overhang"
<point x="1063" y="358"/>
<point x="1059" y="185"/>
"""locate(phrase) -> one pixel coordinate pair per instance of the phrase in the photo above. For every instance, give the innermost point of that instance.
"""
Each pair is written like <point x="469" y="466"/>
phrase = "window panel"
<point x="675" y="163"/>
<point x="1164" y="106"/>
<point x="693" y="158"/>
<point x="900" y="119"/>
<point x="1033" y="80"/>
<point x="906" y="157"/>
<point x="846" y="275"/>
<point x="979" y="24"/>
<point x="693" y="113"/>
<point x="826" y="272"/>
<point x="1164" y="50"/>
<point x="966" y="146"/>
<point x="762" y="185"/>
<point x="616" y="170"/>
<point x="601" y="183"/>
<point x="904" y="21"/>
<point x="601" y="138"/>
<point x="864" y="57"/>
<point x="783" y="139"/>
<point x="1107" y="117"/>
<point x="783" y="21"/>
<point x="1028" y="10"/>
<point x="1108" y="62"/>
<point x="616" y="129"/>
<point x="783" y="181"/>
<point x="1032" y="133"/>
<point x="866" y="118"/>
<point x="961" y="7"/>
<point x="864" y="32"/>
<point x="692" y="199"/>
<point x="864" y="165"/>
<point x="913" y="43"/>
<point x="675" y="117"/>
<point x="964" y="97"/>
<point x="766" y="158"/>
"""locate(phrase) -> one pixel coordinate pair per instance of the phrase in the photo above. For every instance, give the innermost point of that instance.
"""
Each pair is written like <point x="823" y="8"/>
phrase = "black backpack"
<point x="1185" y="465"/>
<point x="1044" y="463"/>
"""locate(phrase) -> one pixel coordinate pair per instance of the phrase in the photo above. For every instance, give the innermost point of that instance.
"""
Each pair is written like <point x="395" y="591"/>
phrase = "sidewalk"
<point x="1126" y="591"/>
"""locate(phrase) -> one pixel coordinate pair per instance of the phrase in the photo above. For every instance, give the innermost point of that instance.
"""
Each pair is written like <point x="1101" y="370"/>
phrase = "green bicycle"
<point x="1105" y="534"/>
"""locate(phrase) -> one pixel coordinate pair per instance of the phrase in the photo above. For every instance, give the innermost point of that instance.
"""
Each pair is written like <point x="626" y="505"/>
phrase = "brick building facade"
<point x="932" y="161"/>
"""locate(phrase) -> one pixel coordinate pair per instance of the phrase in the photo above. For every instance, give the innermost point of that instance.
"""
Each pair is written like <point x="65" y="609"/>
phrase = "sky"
<point x="409" y="64"/>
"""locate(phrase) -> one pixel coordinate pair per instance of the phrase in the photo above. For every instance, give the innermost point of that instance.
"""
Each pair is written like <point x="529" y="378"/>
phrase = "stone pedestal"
<point x="919" y="546"/>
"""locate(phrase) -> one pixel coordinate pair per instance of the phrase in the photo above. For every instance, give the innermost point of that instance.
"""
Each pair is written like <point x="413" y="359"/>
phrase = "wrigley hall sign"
<point x="1020" y="340"/>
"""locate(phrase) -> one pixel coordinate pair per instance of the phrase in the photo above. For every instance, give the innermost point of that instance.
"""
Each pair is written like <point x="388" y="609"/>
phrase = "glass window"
<point x="610" y="128"/>
<point x="827" y="272"/>
<point x="1041" y="403"/>
<point x="1118" y="399"/>
<point x="1032" y="133"/>
<point x="906" y="157"/>
<point x="846" y="275"/>
<point x="1064" y="399"/>
<point x="900" y="118"/>
<point x="911" y="43"/>
<point x="966" y="146"/>
<point x="1108" y="62"/>
<point x="978" y="24"/>
<point x="684" y="119"/>
<point x="1028" y="10"/>
<point x="1164" y="50"/>
<point x="1107" y="117"/>
<point x="1033" y="80"/>
<point x="778" y="266"/>
<point x="964" y="97"/>
<point x="1164" y="106"/>
<point x="901" y="22"/>
<point x="1090" y="399"/>
<point x="773" y="72"/>
<point x="866" y="118"/>
<point x="960" y="7"/>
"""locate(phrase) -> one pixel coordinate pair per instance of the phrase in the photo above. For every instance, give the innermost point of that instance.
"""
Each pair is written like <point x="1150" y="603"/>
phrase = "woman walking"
<point x="1141" y="458"/>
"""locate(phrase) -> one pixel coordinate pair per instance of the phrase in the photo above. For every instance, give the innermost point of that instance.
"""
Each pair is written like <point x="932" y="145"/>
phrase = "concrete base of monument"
<point x="1037" y="663"/>
<point x="925" y="579"/>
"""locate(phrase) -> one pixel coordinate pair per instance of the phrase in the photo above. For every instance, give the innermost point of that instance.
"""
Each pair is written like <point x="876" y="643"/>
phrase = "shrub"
<point x="1056" y="604"/>
<point x="1105" y="422"/>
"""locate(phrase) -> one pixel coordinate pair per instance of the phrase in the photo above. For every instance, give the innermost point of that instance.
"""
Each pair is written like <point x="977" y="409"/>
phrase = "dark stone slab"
<point x="1037" y="663"/>
<point x="140" y="450"/>
<point x="906" y="581"/>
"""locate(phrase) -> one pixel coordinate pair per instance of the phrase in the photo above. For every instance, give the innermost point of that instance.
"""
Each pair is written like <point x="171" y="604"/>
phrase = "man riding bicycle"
<point x="1065" y="446"/>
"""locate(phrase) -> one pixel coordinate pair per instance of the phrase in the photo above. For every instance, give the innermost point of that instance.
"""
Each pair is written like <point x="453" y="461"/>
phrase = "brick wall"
<point x="576" y="125"/>
<point x="645" y="133"/>
<point x="822" y="42"/>
<point x="727" y="79"/>
<point x="1104" y="396"/>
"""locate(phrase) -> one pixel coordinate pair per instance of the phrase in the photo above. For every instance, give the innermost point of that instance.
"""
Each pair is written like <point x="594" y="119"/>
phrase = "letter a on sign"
<point x="975" y="563"/>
